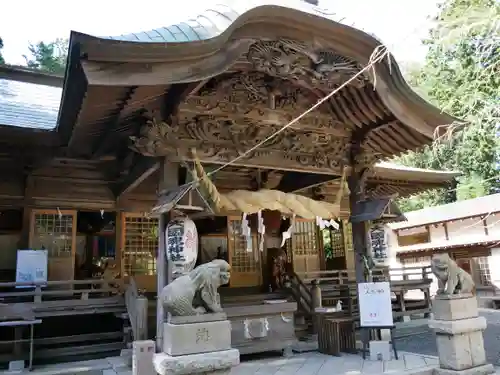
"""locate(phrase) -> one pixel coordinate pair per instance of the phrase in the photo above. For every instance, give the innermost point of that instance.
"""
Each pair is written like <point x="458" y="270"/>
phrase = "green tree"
<point x="2" y="60"/>
<point x="48" y="57"/>
<point x="461" y="75"/>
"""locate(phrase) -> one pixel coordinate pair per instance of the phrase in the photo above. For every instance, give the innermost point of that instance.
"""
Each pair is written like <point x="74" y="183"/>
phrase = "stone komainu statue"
<point x="451" y="278"/>
<point x="196" y="292"/>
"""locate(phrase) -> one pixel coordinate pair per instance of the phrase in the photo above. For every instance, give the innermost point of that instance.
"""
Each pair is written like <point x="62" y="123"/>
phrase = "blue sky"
<point x="390" y="20"/>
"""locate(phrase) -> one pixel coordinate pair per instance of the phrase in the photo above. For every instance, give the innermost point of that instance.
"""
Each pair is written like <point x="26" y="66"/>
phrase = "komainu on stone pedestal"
<point x="451" y="278"/>
<point x="459" y="335"/>
<point x="197" y="335"/>
<point x="196" y="292"/>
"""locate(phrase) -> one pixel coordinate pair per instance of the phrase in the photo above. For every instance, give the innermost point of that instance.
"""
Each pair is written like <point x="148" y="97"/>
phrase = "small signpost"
<point x="31" y="267"/>
<point x="375" y="311"/>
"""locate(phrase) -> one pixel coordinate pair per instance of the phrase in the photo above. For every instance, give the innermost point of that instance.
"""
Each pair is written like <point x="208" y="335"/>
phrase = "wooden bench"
<point x="21" y="323"/>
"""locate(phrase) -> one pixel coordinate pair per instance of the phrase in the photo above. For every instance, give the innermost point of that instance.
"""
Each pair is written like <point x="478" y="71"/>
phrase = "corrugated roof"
<point x="459" y="242"/>
<point x="452" y="211"/>
<point x="29" y="105"/>
<point x="215" y="20"/>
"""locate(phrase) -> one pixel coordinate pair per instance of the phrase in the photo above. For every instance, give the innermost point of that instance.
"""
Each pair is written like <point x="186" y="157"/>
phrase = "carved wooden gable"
<point x="271" y="85"/>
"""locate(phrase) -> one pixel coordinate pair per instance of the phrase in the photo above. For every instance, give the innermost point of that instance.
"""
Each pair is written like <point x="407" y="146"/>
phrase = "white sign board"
<point x="375" y="304"/>
<point x="31" y="266"/>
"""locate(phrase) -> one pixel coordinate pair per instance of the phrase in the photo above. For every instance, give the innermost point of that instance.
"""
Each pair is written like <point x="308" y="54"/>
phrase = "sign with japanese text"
<point x="375" y="305"/>
<point x="31" y="267"/>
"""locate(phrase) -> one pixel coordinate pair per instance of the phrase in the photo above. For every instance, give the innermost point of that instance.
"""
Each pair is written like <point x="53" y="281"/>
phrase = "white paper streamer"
<point x="246" y="232"/>
<point x="261" y="229"/>
<point x="322" y="224"/>
<point x="289" y="231"/>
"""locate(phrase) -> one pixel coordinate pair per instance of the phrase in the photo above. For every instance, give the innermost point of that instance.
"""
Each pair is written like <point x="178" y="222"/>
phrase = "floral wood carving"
<point x="254" y="97"/>
<point x="311" y="68"/>
<point x="221" y="140"/>
<point x="235" y="111"/>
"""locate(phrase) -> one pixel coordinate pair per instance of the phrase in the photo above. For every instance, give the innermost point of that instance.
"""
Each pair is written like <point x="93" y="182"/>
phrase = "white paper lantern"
<point x="181" y="245"/>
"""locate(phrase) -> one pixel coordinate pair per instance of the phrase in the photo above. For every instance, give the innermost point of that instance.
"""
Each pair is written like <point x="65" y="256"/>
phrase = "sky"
<point x="400" y="24"/>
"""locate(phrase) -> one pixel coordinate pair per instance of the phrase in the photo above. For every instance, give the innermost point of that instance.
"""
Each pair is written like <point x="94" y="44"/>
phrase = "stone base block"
<point x="380" y="351"/>
<point x="190" y="319"/>
<point x="214" y="363"/>
<point x="16" y="366"/>
<point x="461" y="351"/>
<point x="458" y="327"/>
<point x="142" y="357"/>
<point x="479" y="370"/>
<point x="194" y="338"/>
<point x="454" y="307"/>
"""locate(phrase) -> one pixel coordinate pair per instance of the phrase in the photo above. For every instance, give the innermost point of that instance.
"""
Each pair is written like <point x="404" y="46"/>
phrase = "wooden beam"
<point x="295" y="181"/>
<point x="116" y="117"/>
<point x="23" y="74"/>
<point x="142" y="169"/>
<point x="72" y="96"/>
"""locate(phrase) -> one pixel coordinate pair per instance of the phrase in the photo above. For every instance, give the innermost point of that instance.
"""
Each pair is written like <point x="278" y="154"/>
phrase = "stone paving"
<point x="312" y="363"/>
<point x="425" y="343"/>
<point x="315" y="363"/>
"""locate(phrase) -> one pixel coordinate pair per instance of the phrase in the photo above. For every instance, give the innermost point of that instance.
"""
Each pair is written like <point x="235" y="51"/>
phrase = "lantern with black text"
<point x="182" y="245"/>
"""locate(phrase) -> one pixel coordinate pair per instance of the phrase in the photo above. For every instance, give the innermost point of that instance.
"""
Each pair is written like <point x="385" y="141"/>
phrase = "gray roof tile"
<point x="215" y="20"/>
<point x="29" y="105"/>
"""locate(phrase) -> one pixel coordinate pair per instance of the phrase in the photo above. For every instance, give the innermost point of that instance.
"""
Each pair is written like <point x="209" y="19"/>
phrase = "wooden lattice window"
<point x="415" y="261"/>
<point x="242" y="260"/>
<point x="483" y="268"/>
<point x="333" y="243"/>
<point x="305" y="238"/>
<point x="54" y="232"/>
<point x="140" y="245"/>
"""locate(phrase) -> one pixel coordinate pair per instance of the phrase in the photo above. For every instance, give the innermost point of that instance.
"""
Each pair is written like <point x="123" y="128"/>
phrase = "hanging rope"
<point x="265" y="199"/>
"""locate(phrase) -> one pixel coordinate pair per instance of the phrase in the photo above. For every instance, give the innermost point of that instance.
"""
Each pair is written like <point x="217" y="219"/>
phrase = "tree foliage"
<point x="2" y="60"/>
<point x="48" y="57"/>
<point x="461" y="75"/>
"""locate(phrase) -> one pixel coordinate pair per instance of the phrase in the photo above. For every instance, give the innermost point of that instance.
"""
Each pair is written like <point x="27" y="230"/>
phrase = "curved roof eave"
<point x="396" y="171"/>
<point x="202" y="44"/>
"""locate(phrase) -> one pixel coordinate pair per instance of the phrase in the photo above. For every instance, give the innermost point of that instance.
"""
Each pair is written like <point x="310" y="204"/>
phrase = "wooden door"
<point x="55" y="231"/>
<point x="246" y="267"/>
<point x="305" y="244"/>
<point x="139" y="249"/>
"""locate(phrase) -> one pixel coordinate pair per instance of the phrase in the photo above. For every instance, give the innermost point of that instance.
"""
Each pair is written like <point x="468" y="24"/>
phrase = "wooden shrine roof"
<point x="27" y="104"/>
<point x="222" y="83"/>
<point x="231" y="77"/>
<point x="34" y="146"/>
<point x="461" y="210"/>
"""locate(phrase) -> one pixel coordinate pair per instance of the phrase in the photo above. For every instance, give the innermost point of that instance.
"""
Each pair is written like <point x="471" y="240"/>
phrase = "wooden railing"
<point x="340" y="285"/>
<point x="41" y="291"/>
<point x="137" y="310"/>
<point x="94" y="307"/>
<point x="340" y="277"/>
<point x="301" y="292"/>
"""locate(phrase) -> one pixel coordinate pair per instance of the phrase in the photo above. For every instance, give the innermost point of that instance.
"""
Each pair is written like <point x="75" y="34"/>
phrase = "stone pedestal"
<point x="196" y="345"/>
<point x="142" y="357"/>
<point x="459" y="335"/>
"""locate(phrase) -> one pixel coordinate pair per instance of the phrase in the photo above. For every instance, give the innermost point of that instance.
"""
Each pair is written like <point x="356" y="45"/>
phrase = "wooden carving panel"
<point x="236" y="111"/>
<point x="314" y="68"/>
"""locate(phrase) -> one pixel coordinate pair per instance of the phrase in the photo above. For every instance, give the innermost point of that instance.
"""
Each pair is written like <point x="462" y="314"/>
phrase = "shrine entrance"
<point x="244" y="257"/>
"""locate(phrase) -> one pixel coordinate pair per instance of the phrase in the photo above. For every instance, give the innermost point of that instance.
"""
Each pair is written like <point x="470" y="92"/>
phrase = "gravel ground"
<point x="425" y="343"/>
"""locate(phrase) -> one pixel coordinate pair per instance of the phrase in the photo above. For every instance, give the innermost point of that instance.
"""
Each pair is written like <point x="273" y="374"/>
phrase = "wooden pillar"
<point x="120" y="243"/>
<point x="316" y="294"/>
<point x="359" y="230"/>
<point x="168" y="179"/>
